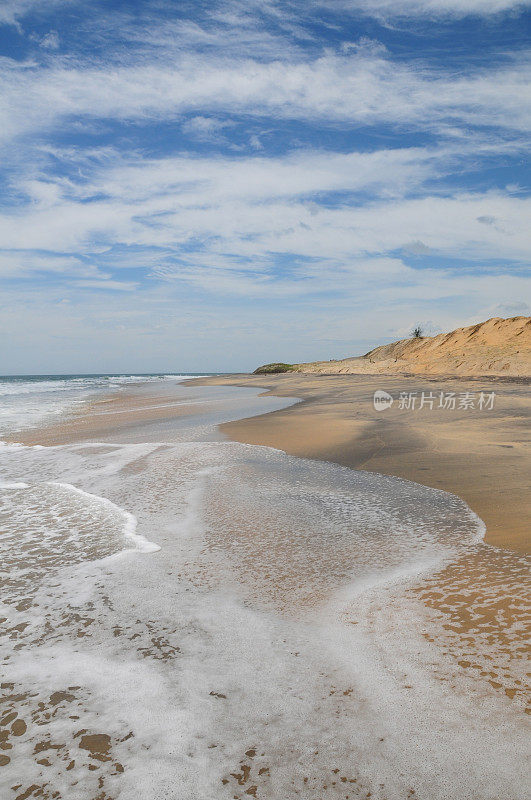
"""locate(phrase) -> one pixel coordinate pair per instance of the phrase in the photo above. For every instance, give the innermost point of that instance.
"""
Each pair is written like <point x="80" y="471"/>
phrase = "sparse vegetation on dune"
<point x="494" y="347"/>
<point x="271" y="369"/>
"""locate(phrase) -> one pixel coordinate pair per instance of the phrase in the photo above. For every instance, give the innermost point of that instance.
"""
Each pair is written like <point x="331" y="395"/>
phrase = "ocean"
<point x="30" y="400"/>
<point x="189" y="617"/>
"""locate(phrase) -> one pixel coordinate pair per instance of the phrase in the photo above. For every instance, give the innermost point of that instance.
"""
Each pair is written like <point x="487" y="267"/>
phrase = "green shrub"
<point x="272" y="369"/>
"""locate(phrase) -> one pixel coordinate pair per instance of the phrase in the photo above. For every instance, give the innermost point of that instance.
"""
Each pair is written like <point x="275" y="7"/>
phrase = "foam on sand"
<point x="129" y="520"/>
<point x="28" y="402"/>
<point x="272" y="648"/>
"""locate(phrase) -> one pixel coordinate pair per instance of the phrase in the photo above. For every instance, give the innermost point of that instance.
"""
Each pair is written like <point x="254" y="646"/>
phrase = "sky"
<point x="208" y="186"/>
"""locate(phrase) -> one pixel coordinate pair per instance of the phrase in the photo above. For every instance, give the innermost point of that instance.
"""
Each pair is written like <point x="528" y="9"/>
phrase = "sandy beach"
<point x="482" y="456"/>
<point x="375" y="605"/>
<point x="264" y="400"/>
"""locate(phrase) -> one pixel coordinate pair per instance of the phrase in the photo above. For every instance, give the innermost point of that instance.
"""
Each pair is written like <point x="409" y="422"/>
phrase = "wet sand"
<point x="472" y="613"/>
<point x="111" y="413"/>
<point x="481" y="455"/>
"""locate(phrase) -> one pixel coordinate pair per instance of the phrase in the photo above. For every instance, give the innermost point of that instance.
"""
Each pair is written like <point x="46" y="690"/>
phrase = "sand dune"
<point x="496" y="347"/>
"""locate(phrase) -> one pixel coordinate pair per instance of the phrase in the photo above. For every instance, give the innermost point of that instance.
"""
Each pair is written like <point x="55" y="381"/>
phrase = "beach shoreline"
<point x="482" y="456"/>
<point x="479" y="455"/>
<point x="376" y="598"/>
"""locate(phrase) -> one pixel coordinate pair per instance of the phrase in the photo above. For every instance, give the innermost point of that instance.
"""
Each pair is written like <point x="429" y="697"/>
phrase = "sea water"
<point x="186" y="617"/>
<point x="30" y="400"/>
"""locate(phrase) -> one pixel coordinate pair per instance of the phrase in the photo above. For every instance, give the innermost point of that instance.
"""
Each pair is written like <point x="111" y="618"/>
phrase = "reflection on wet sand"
<point x="305" y="630"/>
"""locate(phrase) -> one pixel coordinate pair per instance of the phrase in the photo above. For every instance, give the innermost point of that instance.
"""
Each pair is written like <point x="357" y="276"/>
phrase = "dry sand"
<point x="497" y="346"/>
<point x="480" y="455"/>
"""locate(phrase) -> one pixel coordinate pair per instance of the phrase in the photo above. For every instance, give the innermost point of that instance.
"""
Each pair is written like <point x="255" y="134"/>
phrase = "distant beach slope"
<point x="498" y="346"/>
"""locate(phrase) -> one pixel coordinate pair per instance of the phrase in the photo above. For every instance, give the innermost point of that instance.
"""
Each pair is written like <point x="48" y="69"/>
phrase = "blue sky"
<point x="212" y="185"/>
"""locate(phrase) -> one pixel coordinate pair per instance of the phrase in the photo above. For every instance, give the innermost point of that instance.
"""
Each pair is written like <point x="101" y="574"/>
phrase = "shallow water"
<point x="32" y="400"/>
<point x="273" y="647"/>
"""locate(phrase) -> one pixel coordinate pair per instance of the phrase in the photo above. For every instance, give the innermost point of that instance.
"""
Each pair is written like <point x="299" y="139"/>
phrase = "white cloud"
<point x="24" y="263"/>
<point x="326" y="233"/>
<point x="255" y="142"/>
<point x="162" y="329"/>
<point x="50" y="41"/>
<point x="206" y="129"/>
<point x="107" y="285"/>
<point x="222" y="224"/>
<point x="11" y="11"/>
<point x="302" y="173"/>
<point x="361" y="88"/>
<point x="244" y="14"/>
<point x="248" y="206"/>
<point x="426" y="8"/>
<point x="254" y="206"/>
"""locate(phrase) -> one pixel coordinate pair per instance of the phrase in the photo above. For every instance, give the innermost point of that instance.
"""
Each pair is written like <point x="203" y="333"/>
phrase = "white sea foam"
<point x="126" y="379"/>
<point x="269" y="643"/>
<point x="129" y="520"/>
<point x="25" y="403"/>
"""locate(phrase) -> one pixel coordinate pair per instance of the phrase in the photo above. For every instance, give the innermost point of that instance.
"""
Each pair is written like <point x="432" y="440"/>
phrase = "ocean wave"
<point x="29" y="403"/>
